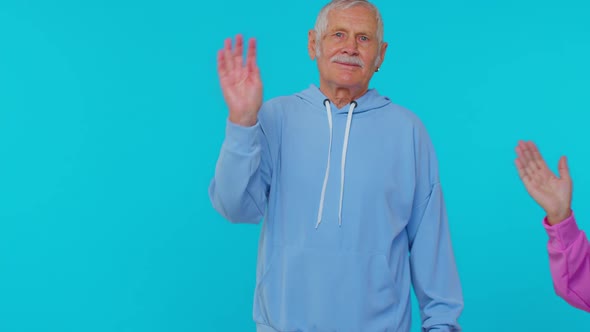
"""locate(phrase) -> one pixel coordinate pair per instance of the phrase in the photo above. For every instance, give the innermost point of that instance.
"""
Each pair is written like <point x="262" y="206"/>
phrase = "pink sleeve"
<point x="569" y="258"/>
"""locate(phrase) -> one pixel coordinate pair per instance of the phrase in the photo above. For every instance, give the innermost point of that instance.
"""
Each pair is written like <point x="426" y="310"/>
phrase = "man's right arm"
<point x="241" y="184"/>
<point x="239" y="190"/>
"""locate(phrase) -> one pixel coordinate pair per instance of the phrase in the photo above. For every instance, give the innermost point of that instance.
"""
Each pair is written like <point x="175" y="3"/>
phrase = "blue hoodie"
<point x="353" y="215"/>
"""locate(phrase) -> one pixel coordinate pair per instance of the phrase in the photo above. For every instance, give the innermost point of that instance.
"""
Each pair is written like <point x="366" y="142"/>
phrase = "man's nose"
<point x="351" y="46"/>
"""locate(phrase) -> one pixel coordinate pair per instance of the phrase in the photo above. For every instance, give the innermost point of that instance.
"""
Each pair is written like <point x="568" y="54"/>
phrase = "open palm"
<point x="241" y="84"/>
<point x="552" y="193"/>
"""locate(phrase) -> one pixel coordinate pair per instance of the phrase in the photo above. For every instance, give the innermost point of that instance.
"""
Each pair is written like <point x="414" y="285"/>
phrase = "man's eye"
<point x="338" y="34"/>
<point x="364" y="38"/>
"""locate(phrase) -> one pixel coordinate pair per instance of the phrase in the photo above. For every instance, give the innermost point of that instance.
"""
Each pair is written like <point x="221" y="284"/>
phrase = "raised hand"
<point x="552" y="193"/>
<point x="240" y="82"/>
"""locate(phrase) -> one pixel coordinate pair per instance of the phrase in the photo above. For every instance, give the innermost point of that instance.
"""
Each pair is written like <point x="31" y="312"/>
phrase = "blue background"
<point x="111" y="119"/>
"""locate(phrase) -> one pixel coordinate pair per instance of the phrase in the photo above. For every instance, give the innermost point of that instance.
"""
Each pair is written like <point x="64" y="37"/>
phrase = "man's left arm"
<point x="432" y="262"/>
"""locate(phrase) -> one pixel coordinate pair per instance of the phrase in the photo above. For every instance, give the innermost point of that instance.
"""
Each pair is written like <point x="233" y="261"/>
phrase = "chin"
<point x="348" y="80"/>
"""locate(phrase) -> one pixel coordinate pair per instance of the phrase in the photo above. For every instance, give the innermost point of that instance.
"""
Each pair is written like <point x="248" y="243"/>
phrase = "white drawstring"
<point x="321" y="209"/>
<point x="344" y="150"/>
<point x="343" y="162"/>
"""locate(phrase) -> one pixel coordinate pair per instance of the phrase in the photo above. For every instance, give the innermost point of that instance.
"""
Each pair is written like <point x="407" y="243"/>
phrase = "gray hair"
<point x="321" y="23"/>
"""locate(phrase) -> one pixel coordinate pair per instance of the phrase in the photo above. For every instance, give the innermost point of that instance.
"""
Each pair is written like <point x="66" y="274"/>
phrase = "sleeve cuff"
<point x="564" y="233"/>
<point x="240" y="138"/>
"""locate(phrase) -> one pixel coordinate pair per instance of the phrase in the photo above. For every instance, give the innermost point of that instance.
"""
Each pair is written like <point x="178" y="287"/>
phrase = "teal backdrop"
<point x="111" y="120"/>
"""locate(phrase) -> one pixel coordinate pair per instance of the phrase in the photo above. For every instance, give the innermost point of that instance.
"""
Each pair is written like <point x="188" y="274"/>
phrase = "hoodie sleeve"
<point x="239" y="189"/>
<point x="434" y="272"/>
<point x="569" y="259"/>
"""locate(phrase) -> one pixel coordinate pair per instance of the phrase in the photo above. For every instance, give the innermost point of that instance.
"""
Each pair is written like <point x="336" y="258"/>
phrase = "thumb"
<point x="564" y="171"/>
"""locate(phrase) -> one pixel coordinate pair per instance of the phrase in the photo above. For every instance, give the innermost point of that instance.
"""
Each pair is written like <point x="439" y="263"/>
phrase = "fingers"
<point x="238" y="52"/>
<point x="563" y="169"/>
<point x="231" y="58"/>
<point x="530" y="170"/>
<point x="522" y="171"/>
<point x="529" y="175"/>
<point x="524" y="158"/>
<point x="251" y="56"/>
<point x="533" y="160"/>
<point x="227" y="55"/>
<point x="536" y="155"/>
<point x="528" y="156"/>
<point x="221" y="65"/>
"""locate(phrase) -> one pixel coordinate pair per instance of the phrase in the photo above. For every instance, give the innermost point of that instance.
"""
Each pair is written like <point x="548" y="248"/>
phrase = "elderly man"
<point x="347" y="184"/>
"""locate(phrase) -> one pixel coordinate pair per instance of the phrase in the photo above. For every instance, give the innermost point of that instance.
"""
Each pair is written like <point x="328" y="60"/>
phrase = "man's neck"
<point x="342" y="96"/>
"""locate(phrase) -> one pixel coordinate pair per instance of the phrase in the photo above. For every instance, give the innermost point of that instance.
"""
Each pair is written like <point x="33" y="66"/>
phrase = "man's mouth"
<point x="348" y="64"/>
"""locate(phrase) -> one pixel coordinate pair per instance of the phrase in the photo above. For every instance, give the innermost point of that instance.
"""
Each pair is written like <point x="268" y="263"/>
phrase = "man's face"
<point x="348" y="49"/>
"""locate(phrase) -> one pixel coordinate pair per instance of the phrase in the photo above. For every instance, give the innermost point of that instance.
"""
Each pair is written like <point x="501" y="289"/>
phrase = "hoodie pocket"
<point x="322" y="290"/>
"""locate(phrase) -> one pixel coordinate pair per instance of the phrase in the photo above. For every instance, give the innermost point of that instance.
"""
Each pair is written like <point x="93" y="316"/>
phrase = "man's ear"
<point x="311" y="42"/>
<point x="382" y="54"/>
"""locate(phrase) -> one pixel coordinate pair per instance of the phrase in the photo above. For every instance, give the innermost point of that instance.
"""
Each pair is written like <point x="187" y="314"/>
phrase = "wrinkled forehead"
<point x="358" y="17"/>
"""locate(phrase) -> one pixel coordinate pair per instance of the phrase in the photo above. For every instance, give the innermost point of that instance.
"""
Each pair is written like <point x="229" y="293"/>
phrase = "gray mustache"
<point x="348" y="60"/>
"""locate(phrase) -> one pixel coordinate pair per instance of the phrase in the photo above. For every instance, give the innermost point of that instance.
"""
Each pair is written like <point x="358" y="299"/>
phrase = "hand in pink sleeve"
<point x="569" y="251"/>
